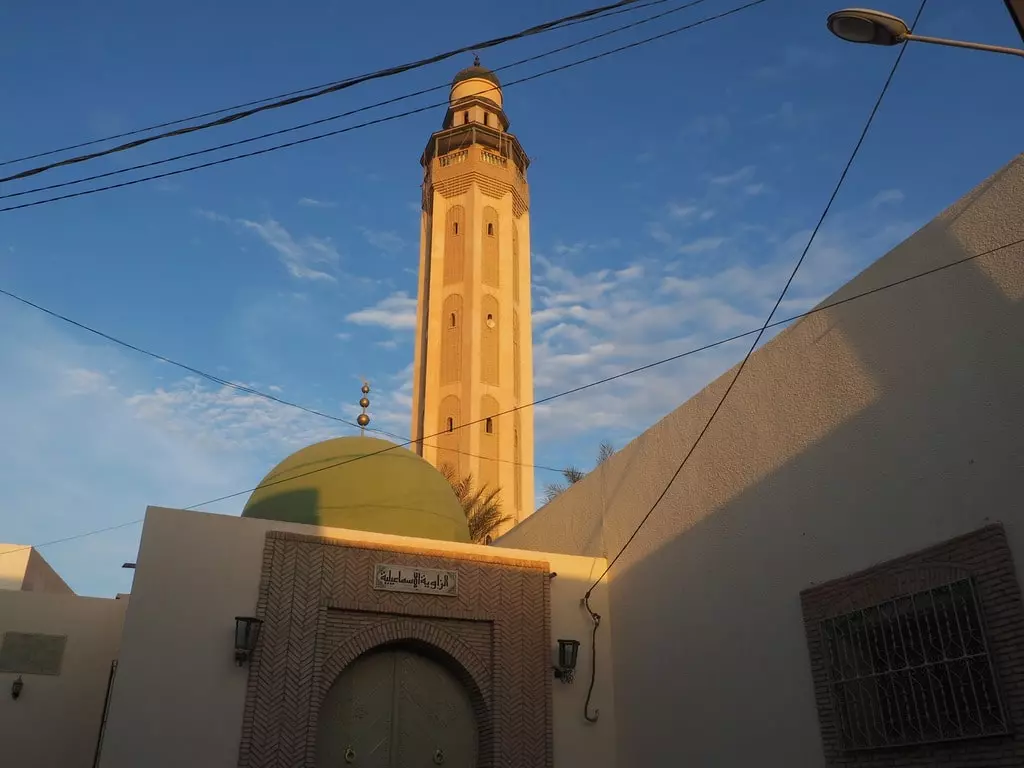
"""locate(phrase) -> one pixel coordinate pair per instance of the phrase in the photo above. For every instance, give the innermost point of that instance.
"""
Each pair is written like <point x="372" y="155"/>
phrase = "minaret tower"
<point x="474" y="344"/>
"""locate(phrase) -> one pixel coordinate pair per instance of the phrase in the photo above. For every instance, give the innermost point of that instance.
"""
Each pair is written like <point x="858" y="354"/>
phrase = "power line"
<point x="377" y="121"/>
<point x="565" y="393"/>
<point x="267" y="99"/>
<point x="332" y="88"/>
<point x="366" y="108"/>
<point x="225" y="382"/>
<point x="768" y="320"/>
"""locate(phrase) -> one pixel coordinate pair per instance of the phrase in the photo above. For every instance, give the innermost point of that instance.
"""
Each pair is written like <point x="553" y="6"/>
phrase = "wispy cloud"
<point x="396" y="312"/>
<point x="755" y="189"/>
<point x="301" y="258"/>
<point x="310" y="202"/>
<point x="701" y="245"/>
<point x="794" y="59"/>
<point x="887" y="196"/>
<point x="735" y="177"/>
<point x="384" y="240"/>
<point x="306" y="258"/>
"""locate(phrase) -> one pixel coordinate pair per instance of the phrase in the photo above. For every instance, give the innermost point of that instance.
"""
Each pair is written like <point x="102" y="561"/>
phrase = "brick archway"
<point x="458" y="657"/>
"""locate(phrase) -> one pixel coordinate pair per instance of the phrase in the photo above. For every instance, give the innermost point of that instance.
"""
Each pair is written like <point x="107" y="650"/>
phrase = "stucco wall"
<point x="196" y="572"/>
<point x="13" y="564"/>
<point x="862" y="433"/>
<point x="56" y="720"/>
<point x="22" y="567"/>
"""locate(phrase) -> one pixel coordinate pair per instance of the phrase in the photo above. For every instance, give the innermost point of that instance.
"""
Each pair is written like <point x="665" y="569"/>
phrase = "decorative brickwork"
<point x="320" y="613"/>
<point x="981" y="565"/>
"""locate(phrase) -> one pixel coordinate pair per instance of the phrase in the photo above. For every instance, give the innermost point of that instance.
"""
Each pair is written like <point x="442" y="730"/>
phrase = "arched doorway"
<point x="396" y="708"/>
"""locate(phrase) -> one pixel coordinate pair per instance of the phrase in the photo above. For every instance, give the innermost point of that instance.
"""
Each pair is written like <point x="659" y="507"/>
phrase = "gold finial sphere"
<point x="362" y="420"/>
<point x="366" y="389"/>
<point x="364" y="402"/>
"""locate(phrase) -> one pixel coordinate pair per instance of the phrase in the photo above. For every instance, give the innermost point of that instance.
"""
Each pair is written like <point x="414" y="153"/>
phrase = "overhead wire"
<point x="333" y="88"/>
<point x="767" y="323"/>
<point x="367" y="108"/>
<point x="92" y="142"/>
<point x="226" y="382"/>
<point x="377" y="121"/>
<point x="575" y="390"/>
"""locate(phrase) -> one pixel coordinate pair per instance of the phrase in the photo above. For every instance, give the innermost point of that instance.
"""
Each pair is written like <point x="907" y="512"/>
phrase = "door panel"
<point x="357" y="717"/>
<point x="396" y="709"/>
<point x="436" y="724"/>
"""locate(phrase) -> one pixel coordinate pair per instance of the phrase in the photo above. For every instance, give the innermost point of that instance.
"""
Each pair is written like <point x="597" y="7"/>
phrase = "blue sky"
<point x="672" y="188"/>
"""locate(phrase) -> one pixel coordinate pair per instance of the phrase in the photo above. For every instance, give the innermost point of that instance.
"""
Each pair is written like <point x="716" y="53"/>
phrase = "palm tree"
<point x="573" y="475"/>
<point x="481" y="505"/>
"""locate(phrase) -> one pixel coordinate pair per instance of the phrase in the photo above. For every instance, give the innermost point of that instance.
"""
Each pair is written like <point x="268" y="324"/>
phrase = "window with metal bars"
<point x="913" y="670"/>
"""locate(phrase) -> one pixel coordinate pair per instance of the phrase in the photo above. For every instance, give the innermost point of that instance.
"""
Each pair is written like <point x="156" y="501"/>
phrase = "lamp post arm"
<point x="964" y="44"/>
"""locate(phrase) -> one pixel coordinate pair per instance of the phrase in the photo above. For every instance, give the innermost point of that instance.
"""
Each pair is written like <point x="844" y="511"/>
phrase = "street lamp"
<point x="862" y="25"/>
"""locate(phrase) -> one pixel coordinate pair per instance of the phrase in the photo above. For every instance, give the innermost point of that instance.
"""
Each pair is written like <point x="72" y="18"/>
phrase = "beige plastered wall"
<point x="56" y="720"/>
<point x="196" y="572"/>
<point x="862" y="433"/>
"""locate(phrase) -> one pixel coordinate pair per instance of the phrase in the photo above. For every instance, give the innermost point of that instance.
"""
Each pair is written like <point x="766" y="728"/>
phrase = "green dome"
<point x="393" y="492"/>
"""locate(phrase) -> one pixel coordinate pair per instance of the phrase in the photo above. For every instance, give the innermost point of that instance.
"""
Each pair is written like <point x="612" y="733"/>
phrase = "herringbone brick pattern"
<point x="320" y="613"/>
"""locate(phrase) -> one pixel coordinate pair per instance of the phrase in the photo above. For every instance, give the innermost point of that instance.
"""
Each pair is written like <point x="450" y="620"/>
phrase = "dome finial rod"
<point x="476" y="59"/>
<point x="364" y="402"/>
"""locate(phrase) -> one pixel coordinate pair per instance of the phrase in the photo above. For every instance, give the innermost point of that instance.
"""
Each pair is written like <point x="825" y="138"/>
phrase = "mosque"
<point x="830" y="581"/>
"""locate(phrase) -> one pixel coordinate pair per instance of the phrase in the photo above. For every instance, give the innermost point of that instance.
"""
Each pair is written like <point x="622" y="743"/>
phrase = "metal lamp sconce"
<point x="247" y="632"/>
<point x="568" y="651"/>
<point x="16" y="688"/>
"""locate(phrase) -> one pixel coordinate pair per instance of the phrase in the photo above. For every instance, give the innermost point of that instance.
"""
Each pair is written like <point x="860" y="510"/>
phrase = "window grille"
<point x="912" y="670"/>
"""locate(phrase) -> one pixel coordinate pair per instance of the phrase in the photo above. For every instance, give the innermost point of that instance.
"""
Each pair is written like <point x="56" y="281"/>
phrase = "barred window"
<point x="913" y="670"/>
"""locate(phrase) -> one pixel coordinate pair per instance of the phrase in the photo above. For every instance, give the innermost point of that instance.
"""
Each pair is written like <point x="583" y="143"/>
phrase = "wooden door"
<point x="396" y="709"/>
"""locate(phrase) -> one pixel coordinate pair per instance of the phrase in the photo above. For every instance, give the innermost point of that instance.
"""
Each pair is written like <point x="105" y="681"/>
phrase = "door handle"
<point x="350" y="755"/>
<point x="438" y="757"/>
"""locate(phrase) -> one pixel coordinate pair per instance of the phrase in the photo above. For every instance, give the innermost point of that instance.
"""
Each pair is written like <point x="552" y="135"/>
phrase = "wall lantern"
<point x="568" y="650"/>
<point x="247" y="632"/>
<point x="16" y="687"/>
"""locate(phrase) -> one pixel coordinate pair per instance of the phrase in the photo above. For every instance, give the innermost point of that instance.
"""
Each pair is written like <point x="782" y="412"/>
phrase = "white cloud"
<point x="384" y="240"/>
<point x="755" y="189"/>
<point x="301" y="258"/>
<point x="736" y="176"/>
<point x="96" y="434"/>
<point x="887" y="196"/>
<point x="589" y="325"/>
<point x="309" y="202"/>
<point x="306" y="258"/>
<point x="397" y="312"/>
<point x="701" y="245"/>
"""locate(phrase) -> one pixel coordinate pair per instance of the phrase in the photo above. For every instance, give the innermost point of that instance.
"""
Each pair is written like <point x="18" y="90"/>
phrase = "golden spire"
<point x="363" y="418"/>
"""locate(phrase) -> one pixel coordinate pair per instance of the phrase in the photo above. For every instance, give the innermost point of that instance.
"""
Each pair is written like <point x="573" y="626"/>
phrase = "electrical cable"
<point x="333" y="88"/>
<point x="778" y="302"/>
<point x="352" y="112"/>
<point x="225" y="382"/>
<point x="376" y="121"/>
<point x="266" y="99"/>
<point x="598" y="382"/>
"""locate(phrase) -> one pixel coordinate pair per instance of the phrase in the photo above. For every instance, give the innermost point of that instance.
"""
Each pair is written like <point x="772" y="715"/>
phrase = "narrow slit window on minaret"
<point x="490" y="229"/>
<point x="451" y="424"/>
<point x="489" y="426"/>
<point x="451" y="320"/>
<point x="465" y="116"/>
<point x="455" y="228"/>
<point x="487" y="118"/>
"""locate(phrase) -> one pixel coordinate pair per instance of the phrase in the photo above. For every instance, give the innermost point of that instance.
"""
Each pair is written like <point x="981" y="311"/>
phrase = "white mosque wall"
<point x="861" y="434"/>
<point x="56" y="719"/>
<point x="179" y="697"/>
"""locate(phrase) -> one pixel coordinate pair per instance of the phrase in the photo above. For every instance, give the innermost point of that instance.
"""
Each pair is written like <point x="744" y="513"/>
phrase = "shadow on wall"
<point x="862" y="433"/>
